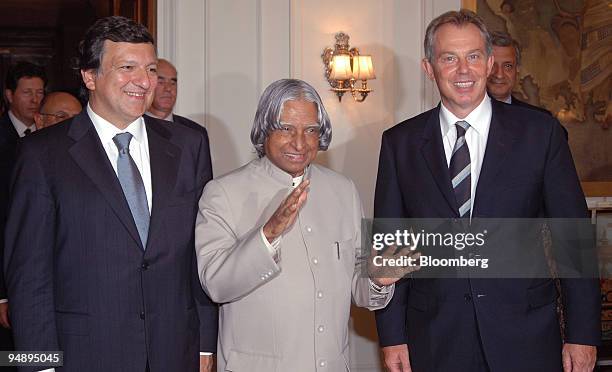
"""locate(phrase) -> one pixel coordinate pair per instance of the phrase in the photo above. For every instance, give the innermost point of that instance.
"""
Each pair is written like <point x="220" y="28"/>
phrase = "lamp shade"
<point x="340" y="67"/>
<point x="363" y="69"/>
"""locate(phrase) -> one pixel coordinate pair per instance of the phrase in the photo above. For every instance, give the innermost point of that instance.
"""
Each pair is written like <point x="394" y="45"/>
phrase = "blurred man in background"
<point x="56" y="107"/>
<point x="165" y="97"/>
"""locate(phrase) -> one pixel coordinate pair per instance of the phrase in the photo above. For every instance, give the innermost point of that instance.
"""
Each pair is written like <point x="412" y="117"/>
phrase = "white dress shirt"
<point x="475" y="137"/>
<point x="20" y="126"/>
<point x="139" y="147"/>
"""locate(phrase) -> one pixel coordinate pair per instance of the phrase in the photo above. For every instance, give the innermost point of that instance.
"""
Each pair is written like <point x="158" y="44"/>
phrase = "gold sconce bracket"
<point x="350" y="68"/>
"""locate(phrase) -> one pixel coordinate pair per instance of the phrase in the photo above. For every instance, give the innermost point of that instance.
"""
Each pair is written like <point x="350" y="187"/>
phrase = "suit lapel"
<point x="91" y="157"/>
<point x="499" y="142"/>
<point x="433" y="152"/>
<point x="10" y="133"/>
<point x="165" y="157"/>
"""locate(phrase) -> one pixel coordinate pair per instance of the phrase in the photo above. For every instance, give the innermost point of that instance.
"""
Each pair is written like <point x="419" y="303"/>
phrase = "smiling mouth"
<point x="464" y="84"/>
<point x="295" y="157"/>
<point x="135" y="94"/>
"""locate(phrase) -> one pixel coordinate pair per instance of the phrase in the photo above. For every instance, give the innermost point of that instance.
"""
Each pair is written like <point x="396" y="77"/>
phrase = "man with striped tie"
<point x="474" y="157"/>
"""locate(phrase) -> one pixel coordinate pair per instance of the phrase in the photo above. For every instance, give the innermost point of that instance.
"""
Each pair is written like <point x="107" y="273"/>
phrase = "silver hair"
<point x="460" y="18"/>
<point x="270" y="108"/>
<point x="503" y="39"/>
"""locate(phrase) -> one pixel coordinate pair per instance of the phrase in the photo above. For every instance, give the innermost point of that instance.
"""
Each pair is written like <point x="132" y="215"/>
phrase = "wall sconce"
<point x="344" y="66"/>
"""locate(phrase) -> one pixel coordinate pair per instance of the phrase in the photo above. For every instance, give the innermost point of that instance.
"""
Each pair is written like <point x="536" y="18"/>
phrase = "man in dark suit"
<point x="506" y="65"/>
<point x="165" y="97"/>
<point x="100" y="259"/>
<point x="24" y="89"/>
<point x="429" y="167"/>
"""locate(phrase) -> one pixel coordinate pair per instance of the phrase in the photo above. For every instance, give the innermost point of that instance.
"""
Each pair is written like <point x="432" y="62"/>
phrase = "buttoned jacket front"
<point x="292" y="315"/>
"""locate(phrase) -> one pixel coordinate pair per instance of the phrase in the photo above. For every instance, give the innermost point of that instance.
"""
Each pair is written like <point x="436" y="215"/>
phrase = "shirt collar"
<point x="479" y="118"/>
<point x="19" y="125"/>
<point x="297" y="180"/>
<point x="170" y="116"/>
<point x="508" y="100"/>
<point x="282" y="176"/>
<point x="106" y="130"/>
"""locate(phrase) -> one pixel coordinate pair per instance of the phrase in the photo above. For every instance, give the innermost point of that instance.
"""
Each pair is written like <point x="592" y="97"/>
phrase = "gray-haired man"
<point x="277" y="242"/>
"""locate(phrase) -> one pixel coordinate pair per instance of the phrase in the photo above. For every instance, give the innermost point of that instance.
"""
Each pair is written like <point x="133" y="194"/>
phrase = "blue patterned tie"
<point x="459" y="168"/>
<point x="132" y="185"/>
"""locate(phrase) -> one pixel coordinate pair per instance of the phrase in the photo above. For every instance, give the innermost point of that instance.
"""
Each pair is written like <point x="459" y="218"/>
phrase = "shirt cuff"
<point x="3" y="300"/>
<point x="383" y="290"/>
<point x="205" y="353"/>
<point x="47" y="370"/>
<point x="273" y="248"/>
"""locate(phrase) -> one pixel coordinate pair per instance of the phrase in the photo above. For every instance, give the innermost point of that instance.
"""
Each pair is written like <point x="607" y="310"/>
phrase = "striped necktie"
<point x="459" y="168"/>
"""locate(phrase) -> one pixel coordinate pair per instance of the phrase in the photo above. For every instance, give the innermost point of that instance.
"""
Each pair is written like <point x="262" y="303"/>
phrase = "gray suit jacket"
<point x="290" y="316"/>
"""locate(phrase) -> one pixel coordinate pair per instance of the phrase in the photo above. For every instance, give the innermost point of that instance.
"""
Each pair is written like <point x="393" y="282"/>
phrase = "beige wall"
<point x="228" y="51"/>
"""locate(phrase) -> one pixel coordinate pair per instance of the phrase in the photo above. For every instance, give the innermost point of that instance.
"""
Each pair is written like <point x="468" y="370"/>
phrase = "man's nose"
<point x="143" y="79"/>
<point x="299" y="140"/>
<point x="497" y="71"/>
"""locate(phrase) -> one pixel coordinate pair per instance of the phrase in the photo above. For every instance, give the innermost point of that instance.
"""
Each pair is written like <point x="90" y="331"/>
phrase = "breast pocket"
<point x="344" y="254"/>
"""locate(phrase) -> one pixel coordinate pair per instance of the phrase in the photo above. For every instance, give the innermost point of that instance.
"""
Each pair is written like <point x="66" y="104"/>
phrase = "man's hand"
<point x="579" y="358"/>
<point x="396" y="358"/>
<point x="4" y="317"/>
<point x="387" y="275"/>
<point x="206" y="363"/>
<point x="285" y="214"/>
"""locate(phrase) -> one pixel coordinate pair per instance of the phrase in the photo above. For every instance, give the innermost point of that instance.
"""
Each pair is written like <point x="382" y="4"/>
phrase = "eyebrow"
<point x="468" y="52"/>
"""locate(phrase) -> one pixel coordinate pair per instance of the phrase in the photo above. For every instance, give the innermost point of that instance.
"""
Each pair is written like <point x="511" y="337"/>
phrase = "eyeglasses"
<point x="59" y="115"/>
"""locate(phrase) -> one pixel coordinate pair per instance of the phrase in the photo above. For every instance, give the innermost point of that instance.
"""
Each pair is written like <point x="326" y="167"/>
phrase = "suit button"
<point x="144" y="265"/>
<point x="467" y="297"/>
<point x="308" y="229"/>
<point x="320" y="294"/>
<point x="315" y="260"/>
<point x="322" y="363"/>
<point x="321" y="329"/>
<point x="142" y="315"/>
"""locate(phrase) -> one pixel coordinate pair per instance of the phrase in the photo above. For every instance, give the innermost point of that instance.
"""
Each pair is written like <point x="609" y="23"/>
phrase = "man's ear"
<point x="9" y="95"/>
<point x="89" y="78"/>
<point x="428" y="68"/>
<point x="38" y="120"/>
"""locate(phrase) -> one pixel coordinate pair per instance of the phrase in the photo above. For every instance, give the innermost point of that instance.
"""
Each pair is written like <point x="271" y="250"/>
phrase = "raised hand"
<point x="287" y="211"/>
<point x="387" y="275"/>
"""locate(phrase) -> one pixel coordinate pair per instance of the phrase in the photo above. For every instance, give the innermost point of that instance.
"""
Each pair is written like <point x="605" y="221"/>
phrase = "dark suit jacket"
<point x="518" y="102"/>
<point x="8" y="143"/>
<point x="189" y="123"/>
<point x="527" y="172"/>
<point x="77" y="276"/>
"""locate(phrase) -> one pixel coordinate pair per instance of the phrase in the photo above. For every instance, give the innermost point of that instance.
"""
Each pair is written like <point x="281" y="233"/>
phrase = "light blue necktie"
<point x="132" y="185"/>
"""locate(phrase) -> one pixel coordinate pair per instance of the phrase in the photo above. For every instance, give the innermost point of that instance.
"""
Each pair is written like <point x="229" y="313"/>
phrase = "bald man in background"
<point x="56" y="107"/>
<point x="165" y="97"/>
